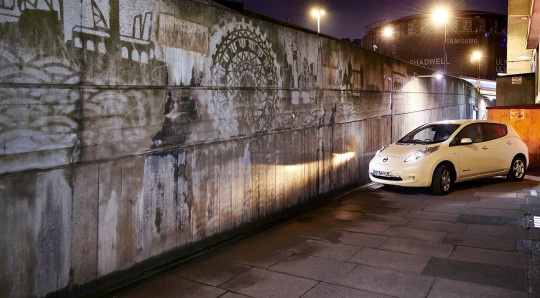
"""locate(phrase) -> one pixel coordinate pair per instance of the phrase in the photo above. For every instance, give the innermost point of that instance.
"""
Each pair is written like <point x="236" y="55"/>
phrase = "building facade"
<point x="524" y="34"/>
<point x="445" y="48"/>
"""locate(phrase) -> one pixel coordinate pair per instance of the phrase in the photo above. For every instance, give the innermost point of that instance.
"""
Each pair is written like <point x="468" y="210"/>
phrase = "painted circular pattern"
<point x="244" y="70"/>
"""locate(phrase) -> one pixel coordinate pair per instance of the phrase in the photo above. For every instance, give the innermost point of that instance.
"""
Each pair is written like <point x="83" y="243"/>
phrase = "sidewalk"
<point x="479" y="241"/>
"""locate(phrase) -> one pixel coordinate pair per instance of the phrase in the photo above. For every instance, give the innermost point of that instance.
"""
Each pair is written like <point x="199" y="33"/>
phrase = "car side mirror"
<point x="466" y="141"/>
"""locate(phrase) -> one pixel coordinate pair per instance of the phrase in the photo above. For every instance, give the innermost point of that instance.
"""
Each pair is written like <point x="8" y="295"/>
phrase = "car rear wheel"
<point x="442" y="180"/>
<point x="517" y="169"/>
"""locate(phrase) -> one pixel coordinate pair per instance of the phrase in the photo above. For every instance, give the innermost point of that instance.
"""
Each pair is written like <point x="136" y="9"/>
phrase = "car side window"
<point x="472" y="131"/>
<point x="494" y="131"/>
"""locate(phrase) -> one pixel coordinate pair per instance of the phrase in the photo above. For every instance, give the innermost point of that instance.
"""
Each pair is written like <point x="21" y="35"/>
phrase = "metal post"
<point x="445" y="53"/>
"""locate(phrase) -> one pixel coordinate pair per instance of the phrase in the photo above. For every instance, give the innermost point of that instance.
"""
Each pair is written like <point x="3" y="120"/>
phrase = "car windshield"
<point x="429" y="134"/>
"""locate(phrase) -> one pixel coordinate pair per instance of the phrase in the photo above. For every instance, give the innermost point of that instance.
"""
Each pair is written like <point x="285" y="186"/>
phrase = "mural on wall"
<point x="36" y="119"/>
<point x="55" y="32"/>
<point x="244" y="70"/>
<point x="180" y="111"/>
<point x="302" y="77"/>
<point x="101" y="33"/>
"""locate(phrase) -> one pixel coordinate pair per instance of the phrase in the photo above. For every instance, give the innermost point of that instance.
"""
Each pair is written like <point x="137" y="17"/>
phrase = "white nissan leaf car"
<point x="439" y="154"/>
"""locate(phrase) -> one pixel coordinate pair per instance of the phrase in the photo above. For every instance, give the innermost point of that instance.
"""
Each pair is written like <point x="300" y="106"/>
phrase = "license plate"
<point x="381" y="173"/>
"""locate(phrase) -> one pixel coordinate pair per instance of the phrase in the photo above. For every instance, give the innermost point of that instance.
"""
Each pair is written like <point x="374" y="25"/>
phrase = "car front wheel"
<point x="442" y="180"/>
<point x="517" y="169"/>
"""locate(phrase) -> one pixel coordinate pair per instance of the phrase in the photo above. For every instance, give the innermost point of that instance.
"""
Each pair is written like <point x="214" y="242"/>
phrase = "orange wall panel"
<point x="526" y="121"/>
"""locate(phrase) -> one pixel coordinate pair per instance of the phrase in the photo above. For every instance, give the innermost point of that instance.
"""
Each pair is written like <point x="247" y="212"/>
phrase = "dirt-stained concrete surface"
<point x="479" y="241"/>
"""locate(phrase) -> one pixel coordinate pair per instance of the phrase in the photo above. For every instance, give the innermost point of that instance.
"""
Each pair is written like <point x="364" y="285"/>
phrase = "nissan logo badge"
<point x="385" y="159"/>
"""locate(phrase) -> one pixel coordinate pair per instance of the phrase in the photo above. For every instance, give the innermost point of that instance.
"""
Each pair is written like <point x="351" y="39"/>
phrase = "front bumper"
<point x="398" y="172"/>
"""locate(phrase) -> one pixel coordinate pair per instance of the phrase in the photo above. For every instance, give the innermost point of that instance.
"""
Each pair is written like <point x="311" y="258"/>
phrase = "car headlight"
<point x="381" y="150"/>
<point x="421" y="153"/>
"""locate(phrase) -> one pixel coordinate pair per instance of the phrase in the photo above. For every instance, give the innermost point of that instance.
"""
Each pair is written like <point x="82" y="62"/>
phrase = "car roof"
<point x="464" y="121"/>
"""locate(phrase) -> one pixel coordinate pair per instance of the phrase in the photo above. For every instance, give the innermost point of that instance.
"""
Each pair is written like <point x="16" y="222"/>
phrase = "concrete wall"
<point x="519" y="58"/>
<point x="136" y="132"/>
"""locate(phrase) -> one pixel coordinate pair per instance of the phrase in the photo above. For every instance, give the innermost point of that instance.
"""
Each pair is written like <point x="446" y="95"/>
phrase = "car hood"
<point x="402" y="150"/>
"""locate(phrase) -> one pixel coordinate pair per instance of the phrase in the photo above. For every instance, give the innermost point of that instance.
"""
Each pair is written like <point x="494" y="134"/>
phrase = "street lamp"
<point x="318" y="13"/>
<point x="441" y="16"/>
<point x="477" y="56"/>
<point x="388" y="32"/>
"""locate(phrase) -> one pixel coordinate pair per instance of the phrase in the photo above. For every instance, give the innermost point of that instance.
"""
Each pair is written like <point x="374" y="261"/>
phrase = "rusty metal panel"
<point x="526" y="121"/>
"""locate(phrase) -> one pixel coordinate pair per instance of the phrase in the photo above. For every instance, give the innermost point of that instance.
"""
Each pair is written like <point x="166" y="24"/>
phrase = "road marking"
<point x="536" y="221"/>
<point x="534" y="193"/>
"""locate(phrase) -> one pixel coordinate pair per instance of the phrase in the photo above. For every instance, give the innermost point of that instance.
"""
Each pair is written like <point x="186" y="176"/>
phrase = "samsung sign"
<point x="428" y="62"/>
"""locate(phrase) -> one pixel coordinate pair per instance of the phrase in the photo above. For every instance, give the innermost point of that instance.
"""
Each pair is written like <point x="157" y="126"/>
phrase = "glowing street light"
<point x="441" y="16"/>
<point x="318" y="13"/>
<point x="388" y="32"/>
<point x="477" y="56"/>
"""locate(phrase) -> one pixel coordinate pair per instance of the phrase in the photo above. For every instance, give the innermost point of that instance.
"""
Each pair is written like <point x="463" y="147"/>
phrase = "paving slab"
<point x="366" y="228"/>
<point x="305" y="229"/>
<point x="212" y="272"/>
<point x="253" y="255"/>
<point x="391" y="220"/>
<point x="324" y="290"/>
<point x="233" y="295"/>
<point x="498" y="212"/>
<point x="481" y="241"/>
<point x="496" y="194"/>
<point x="501" y="231"/>
<point x="325" y="249"/>
<point x="493" y="275"/>
<point x="418" y="247"/>
<point x="445" y="288"/>
<point x="358" y="239"/>
<point x="390" y="260"/>
<point x="435" y="225"/>
<point x="491" y="256"/>
<point x="437" y="216"/>
<point x="388" y="282"/>
<point x="491" y="220"/>
<point x="391" y="197"/>
<point x="418" y="234"/>
<point x="534" y="281"/>
<point x="171" y="285"/>
<point x="264" y="283"/>
<point x="315" y="268"/>
<point x="407" y="205"/>
<point x="448" y="209"/>
<point x="272" y="239"/>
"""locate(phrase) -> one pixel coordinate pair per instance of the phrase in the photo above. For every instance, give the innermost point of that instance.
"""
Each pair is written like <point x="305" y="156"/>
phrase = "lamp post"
<point x="318" y="13"/>
<point x="387" y="33"/>
<point x="441" y="16"/>
<point x="477" y="56"/>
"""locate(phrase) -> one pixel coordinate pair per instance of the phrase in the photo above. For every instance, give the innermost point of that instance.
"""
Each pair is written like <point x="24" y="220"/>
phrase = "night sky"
<point x="348" y="18"/>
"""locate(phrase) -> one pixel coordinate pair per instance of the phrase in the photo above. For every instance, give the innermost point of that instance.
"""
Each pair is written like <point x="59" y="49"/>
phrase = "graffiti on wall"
<point x="244" y="70"/>
<point x="180" y="111"/>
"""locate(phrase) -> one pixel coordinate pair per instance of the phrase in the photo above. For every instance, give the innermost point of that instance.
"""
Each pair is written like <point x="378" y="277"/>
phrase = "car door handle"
<point x="485" y="147"/>
<point x="510" y="143"/>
